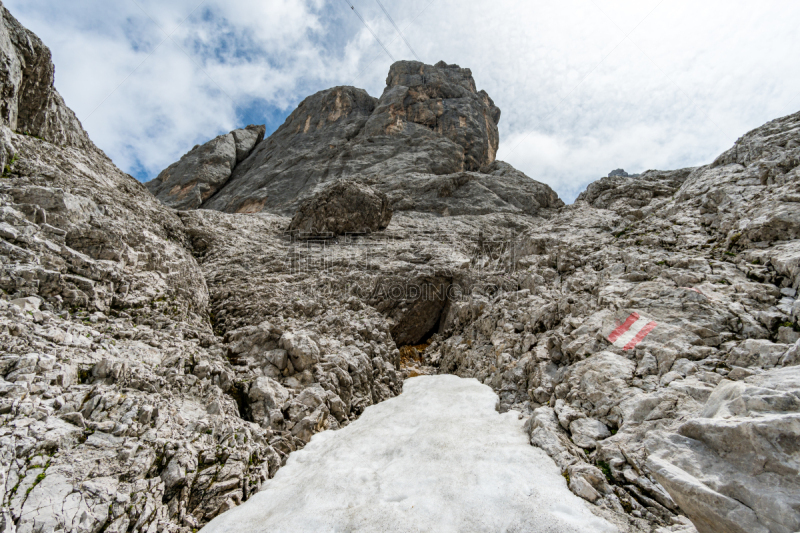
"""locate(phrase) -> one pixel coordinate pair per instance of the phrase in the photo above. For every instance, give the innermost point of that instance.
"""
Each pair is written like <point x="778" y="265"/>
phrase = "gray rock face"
<point x="120" y="391"/>
<point x="7" y="152"/>
<point x="499" y="188"/>
<point x="627" y="194"/>
<point x="246" y="139"/>
<point x="341" y="208"/>
<point x="430" y="134"/>
<point x="708" y="255"/>
<point x="771" y="148"/>
<point x="299" y="155"/>
<point x="735" y="467"/>
<point x="205" y="169"/>
<point x="587" y="431"/>
<point x="442" y="98"/>
<point x="30" y="103"/>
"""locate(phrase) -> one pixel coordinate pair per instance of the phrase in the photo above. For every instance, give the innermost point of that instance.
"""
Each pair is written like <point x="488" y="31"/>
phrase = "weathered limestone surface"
<point x="159" y="365"/>
<point x="702" y="413"/>
<point x="205" y="169"/>
<point x="30" y="104"/>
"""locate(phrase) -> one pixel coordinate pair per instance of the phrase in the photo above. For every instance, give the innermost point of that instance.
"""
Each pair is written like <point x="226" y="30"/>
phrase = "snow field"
<point x="437" y="458"/>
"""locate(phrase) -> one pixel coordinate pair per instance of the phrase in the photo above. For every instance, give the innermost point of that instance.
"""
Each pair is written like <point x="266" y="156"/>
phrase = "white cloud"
<point x="148" y="83"/>
<point x="579" y="98"/>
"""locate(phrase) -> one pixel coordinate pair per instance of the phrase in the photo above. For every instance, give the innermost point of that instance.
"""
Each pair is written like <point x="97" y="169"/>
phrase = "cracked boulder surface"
<point x="344" y="207"/>
<point x="159" y="366"/>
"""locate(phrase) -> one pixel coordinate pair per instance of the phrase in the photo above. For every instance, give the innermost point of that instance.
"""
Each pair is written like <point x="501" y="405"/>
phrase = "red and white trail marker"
<point x="631" y="332"/>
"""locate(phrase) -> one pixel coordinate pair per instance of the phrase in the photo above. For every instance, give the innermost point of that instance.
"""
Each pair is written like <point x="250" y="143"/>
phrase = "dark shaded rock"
<point x="344" y="207"/>
<point x="418" y="317"/>
<point x="430" y="120"/>
<point x="299" y="155"/>
<point x="204" y="169"/>
<point x="518" y="189"/>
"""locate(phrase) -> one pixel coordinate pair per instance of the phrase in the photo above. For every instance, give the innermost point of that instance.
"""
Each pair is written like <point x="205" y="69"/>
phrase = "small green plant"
<point x="606" y="470"/>
<point x="38" y="479"/>
<point x="8" y="169"/>
<point x="29" y="134"/>
<point x="13" y="490"/>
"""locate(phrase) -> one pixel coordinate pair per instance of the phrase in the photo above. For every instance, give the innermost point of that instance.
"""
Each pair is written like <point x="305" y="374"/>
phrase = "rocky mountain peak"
<point x="430" y="120"/>
<point x="446" y="81"/>
<point x="332" y="111"/>
<point x="444" y="99"/>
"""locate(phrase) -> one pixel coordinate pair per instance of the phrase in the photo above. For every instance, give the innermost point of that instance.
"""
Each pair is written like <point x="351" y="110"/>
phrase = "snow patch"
<point x="436" y="458"/>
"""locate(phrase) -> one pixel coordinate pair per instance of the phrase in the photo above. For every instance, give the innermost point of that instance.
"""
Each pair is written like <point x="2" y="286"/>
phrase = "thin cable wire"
<point x="398" y="29"/>
<point x="351" y="6"/>
<point x="790" y="106"/>
<point x="145" y="59"/>
<point x="363" y="70"/>
<point x="584" y="78"/>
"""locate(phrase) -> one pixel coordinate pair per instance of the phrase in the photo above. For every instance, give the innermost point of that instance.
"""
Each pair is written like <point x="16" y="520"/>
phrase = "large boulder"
<point x="303" y="350"/>
<point x="200" y="173"/>
<point x="345" y="207"/>
<point x="734" y="469"/>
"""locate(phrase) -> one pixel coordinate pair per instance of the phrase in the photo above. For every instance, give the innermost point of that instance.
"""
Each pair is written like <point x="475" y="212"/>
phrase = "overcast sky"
<point x="585" y="86"/>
